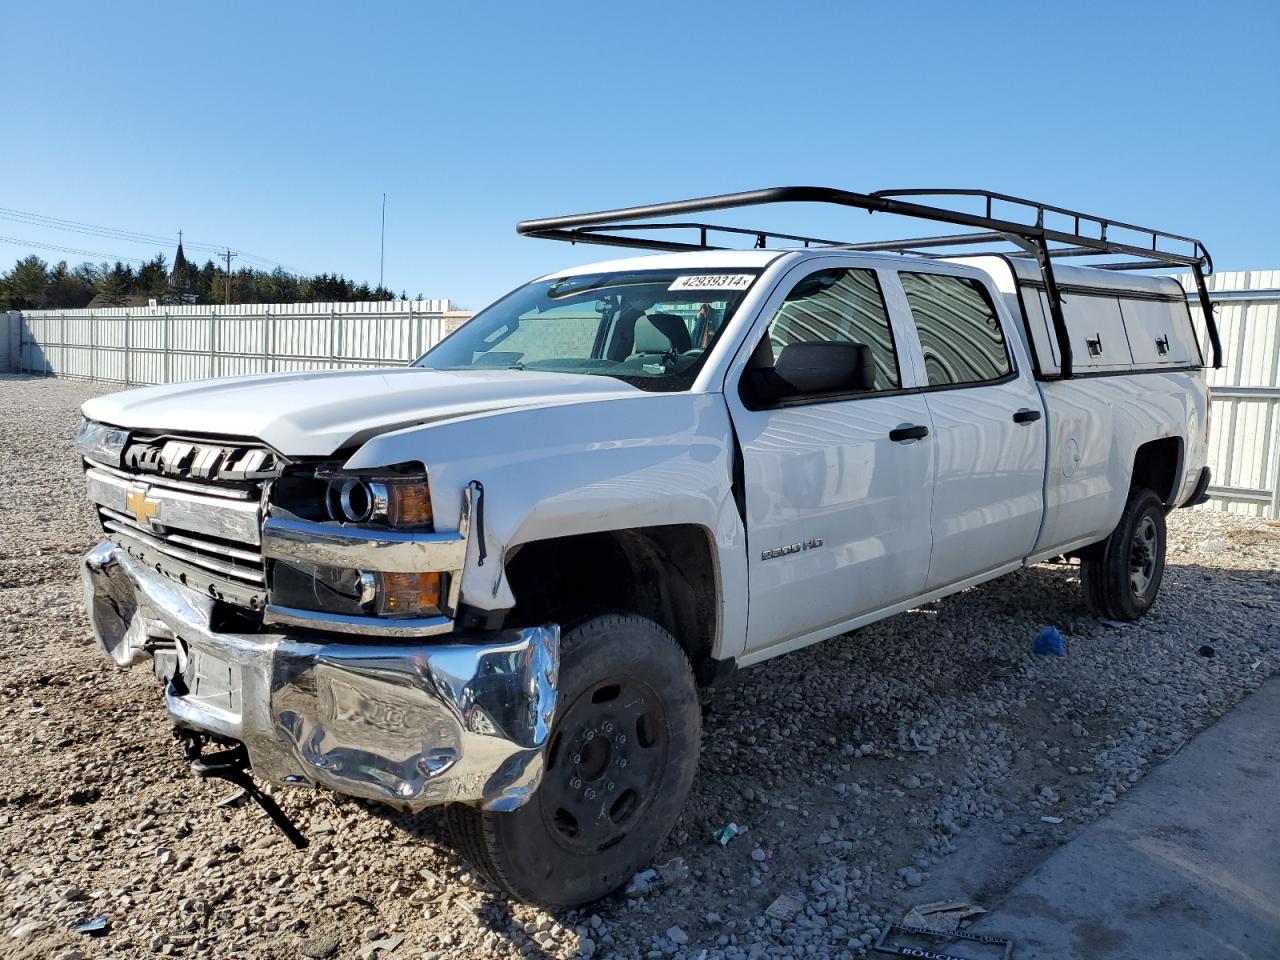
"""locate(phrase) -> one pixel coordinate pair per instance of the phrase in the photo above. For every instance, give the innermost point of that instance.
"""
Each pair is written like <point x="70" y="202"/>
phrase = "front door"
<point x="838" y="488"/>
<point x="988" y="432"/>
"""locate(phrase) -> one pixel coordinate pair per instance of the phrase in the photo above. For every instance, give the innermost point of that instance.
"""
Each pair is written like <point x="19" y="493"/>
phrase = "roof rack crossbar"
<point x="740" y="231"/>
<point x="603" y="227"/>
<point x="603" y="235"/>
<point x="1138" y="265"/>
<point x="955" y="239"/>
<point x="1041" y="209"/>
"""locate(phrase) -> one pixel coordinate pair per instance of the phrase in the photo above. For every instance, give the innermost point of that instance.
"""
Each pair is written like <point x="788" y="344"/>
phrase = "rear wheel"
<point x="619" y="763"/>
<point x="1121" y="577"/>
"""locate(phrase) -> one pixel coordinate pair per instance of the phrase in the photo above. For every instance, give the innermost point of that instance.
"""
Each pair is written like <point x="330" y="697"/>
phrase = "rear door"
<point x="837" y="510"/>
<point x="988" y="428"/>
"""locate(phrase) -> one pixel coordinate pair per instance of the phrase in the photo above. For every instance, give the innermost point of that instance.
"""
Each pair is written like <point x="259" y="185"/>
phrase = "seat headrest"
<point x="661" y="333"/>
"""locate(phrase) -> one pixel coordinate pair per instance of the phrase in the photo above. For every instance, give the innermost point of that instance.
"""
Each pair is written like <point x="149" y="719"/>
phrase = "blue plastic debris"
<point x="1048" y="643"/>
<point x="96" y="927"/>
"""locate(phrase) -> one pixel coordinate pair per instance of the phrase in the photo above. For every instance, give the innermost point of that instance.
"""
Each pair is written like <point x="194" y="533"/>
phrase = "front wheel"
<point x="620" y="760"/>
<point x="1122" y="576"/>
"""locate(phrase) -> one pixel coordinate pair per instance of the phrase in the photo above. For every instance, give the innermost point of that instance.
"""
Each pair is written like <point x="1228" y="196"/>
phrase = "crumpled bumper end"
<point x="410" y="725"/>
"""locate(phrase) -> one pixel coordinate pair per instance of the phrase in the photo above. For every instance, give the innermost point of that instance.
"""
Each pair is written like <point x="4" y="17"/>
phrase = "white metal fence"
<point x="170" y="344"/>
<point x="10" y="325"/>
<point x="1244" y="442"/>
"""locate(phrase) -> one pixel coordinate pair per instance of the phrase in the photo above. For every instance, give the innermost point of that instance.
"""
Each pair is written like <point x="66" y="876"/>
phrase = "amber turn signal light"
<point x="408" y="594"/>
<point x="408" y="504"/>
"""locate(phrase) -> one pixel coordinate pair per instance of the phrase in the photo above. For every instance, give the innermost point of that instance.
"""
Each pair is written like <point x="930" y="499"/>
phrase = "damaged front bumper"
<point x="407" y="724"/>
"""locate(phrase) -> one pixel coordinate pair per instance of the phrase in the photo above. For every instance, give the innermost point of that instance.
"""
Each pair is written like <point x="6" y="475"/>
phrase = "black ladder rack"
<point x="1055" y="232"/>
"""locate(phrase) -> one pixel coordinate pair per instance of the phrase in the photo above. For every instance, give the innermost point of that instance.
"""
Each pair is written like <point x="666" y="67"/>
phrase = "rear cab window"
<point x="959" y="329"/>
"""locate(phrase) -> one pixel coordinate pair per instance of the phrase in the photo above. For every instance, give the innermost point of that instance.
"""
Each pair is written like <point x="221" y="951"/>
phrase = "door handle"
<point x="1026" y="416"/>
<point x="903" y="434"/>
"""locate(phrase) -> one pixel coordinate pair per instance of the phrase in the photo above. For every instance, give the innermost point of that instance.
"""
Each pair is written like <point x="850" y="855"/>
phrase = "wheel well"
<point x="1156" y="465"/>
<point x="665" y="573"/>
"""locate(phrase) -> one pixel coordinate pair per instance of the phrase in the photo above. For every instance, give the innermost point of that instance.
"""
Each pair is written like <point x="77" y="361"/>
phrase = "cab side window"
<point x="959" y="330"/>
<point x="844" y="306"/>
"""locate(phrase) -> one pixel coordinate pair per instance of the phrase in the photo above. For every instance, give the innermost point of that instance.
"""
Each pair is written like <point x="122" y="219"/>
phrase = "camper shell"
<point x="1116" y="323"/>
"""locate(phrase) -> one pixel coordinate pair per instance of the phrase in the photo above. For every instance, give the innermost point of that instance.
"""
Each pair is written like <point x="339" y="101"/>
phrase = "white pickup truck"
<point x="497" y="579"/>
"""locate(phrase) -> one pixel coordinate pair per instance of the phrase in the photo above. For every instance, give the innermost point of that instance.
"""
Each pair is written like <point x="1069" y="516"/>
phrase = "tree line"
<point x="34" y="285"/>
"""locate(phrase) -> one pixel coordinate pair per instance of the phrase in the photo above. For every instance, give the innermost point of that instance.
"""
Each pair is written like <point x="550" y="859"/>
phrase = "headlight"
<point x="97" y="441"/>
<point x="396" y="497"/>
<point x="399" y="500"/>
<point x="356" y="592"/>
<point x="312" y="587"/>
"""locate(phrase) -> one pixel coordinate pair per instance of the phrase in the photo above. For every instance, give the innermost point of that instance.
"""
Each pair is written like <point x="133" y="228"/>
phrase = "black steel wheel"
<point x="603" y="763"/>
<point x="1121" y="576"/>
<point x="619" y="763"/>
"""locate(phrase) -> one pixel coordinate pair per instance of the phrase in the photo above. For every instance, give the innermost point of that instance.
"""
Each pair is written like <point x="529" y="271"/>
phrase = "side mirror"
<point x="819" y="367"/>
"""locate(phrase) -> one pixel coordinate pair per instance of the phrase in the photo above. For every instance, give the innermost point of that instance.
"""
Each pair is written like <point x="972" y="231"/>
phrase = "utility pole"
<point x="228" y="256"/>
<point x="382" y="249"/>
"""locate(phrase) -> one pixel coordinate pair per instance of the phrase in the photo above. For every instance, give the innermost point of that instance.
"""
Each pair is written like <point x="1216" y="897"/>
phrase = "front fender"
<point x="649" y="460"/>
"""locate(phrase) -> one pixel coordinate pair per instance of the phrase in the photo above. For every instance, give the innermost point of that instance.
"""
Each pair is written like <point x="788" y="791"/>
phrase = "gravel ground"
<point x="910" y="762"/>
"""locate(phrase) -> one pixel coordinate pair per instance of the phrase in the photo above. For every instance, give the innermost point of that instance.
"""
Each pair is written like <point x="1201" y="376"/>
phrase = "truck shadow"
<point x="937" y="716"/>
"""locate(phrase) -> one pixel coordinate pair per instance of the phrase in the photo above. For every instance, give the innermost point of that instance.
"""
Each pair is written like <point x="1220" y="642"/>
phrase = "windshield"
<point x="651" y="328"/>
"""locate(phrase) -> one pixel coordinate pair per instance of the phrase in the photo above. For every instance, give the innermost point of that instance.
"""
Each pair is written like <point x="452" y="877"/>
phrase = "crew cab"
<point x="500" y="579"/>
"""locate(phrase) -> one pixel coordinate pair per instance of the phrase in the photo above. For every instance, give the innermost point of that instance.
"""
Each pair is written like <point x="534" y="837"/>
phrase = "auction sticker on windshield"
<point x="713" y="281"/>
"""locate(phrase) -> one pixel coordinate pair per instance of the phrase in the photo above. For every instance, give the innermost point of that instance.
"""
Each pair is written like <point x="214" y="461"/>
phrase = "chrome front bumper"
<point x="407" y="724"/>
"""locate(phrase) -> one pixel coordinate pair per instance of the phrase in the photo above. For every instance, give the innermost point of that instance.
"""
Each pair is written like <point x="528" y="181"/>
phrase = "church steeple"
<point x="179" y="258"/>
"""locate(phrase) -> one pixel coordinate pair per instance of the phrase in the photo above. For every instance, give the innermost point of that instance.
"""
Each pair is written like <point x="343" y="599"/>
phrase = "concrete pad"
<point x="1187" y="864"/>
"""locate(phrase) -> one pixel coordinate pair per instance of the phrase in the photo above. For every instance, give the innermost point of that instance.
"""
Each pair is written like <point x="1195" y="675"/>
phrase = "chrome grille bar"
<point x="207" y="546"/>
<point x="233" y="520"/>
<point x="163" y="482"/>
<point x="124" y="528"/>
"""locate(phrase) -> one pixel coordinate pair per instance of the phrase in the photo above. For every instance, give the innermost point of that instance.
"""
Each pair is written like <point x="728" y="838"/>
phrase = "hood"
<point x="315" y="414"/>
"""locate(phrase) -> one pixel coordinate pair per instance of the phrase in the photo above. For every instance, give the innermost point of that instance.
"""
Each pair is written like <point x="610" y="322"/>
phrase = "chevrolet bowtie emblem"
<point x="138" y="504"/>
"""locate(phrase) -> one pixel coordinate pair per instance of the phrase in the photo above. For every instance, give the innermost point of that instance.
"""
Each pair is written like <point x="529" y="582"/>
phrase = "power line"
<point x="54" y="223"/>
<point x="23" y="216"/>
<point x="60" y="249"/>
<point x="116" y="233"/>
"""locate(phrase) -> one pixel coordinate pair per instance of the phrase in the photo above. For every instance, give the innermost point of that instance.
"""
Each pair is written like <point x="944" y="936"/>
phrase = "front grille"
<point x="203" y="498"/>
<point x="241" y="464"/>
<point x="232" y="562"/>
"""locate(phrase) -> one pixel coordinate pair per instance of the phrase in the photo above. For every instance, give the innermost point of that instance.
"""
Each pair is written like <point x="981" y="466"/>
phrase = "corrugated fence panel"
<point x="10" y="322"/>
<point x="171" y="344"/>
<point x="1244" y="447"/>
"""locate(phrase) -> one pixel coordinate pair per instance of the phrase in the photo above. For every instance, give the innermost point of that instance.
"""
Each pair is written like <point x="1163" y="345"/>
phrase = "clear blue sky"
<point x="276" y="127"/>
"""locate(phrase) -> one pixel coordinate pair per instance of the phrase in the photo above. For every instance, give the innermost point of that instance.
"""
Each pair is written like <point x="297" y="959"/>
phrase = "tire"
<point x="1122" y="576"/>
<point x="620" y="760"/>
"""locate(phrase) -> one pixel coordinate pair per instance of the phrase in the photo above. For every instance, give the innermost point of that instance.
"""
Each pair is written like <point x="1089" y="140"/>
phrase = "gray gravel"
<point x="910" y="762"/>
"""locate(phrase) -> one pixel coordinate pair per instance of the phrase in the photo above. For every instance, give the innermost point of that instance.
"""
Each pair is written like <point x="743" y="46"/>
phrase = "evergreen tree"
<point x="32" y="285"/>
<point x="116" y="283"/>
<point x="25" y="286"/>
<point x="67" y="289"/>
<point x="153" y="278"/>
